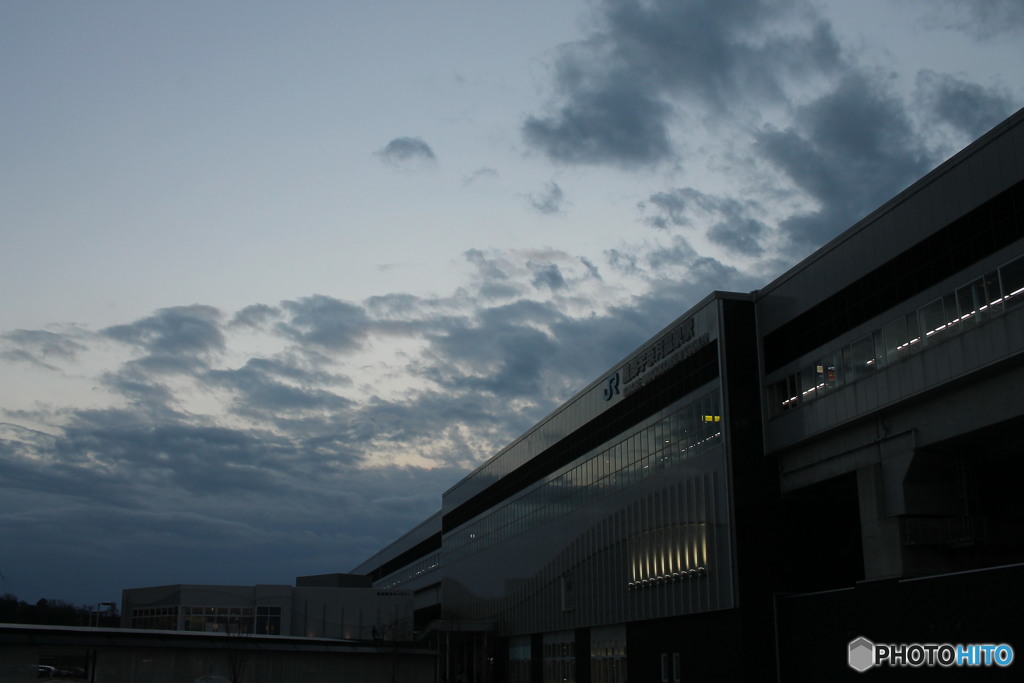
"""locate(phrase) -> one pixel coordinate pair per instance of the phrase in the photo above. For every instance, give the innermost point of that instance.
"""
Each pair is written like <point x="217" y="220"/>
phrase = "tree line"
<point x="55" y="613"/>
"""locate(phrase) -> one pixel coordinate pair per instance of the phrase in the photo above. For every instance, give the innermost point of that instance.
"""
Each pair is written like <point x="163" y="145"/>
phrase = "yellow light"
<point x="712" y="418"/>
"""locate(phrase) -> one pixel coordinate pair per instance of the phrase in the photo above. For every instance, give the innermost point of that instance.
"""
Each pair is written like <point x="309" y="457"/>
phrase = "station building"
<point x="774" y="469"/>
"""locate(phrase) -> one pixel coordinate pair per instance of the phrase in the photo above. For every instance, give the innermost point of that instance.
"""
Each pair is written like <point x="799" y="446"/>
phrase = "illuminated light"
<point x="1014" y="293"/>
<point x="712" y="418"/>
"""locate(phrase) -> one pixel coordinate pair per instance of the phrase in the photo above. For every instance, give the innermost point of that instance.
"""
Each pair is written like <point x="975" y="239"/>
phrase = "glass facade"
<point x="218" y="619"/>
<point x="633" y="525"/>
<point x="159" y="618"/>
<point x="209" y="619"/>
<point x="519" y="659"/>
<point x="608" y="654"/>
<point x="666" y="439"/>
<point x="638" y="529"/>
<point x="560" y="657"/>
<point x="971" y="304"/>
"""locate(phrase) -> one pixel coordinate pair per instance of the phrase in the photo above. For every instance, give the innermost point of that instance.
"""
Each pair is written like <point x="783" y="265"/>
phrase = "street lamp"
<point x="111" y="605"/>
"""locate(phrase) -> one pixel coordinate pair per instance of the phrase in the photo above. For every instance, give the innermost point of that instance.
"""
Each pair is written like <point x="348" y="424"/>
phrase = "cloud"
<point x="180" y="330"/>
<point x="32" y="346"/>
<point x="325" y="322"/>
<point x="127" y="505"/>
<point x="270" y="389"/>
<point x="619" y="124"/>
<point x="729" y="222"/>
<point x="623" y="86"/>
<point x="849" y="151"/>
<point x="405" y="151"/>
<point x="481" y="175"/>
<point x="254" y="316"/>
<point x="142" y="391"/>
<point x="550" y="200"/>
<point x="982" y="20"/>
<point x="547" y="275"/>
<point x="492" y="281"/>
<point x="818" y="138"/>
<point x="969" y="108"/>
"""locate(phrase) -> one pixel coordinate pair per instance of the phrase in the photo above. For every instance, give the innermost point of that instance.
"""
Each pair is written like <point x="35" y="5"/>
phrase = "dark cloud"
<point x="619" y="124"/>
<point x="394" y="305"/>
<point x="850" y="151"/>
<point x="740" y="236"/>
<point x="23" y="356"/>
<point x="679" y="253"/>
<point x="500" y="351"/>
<point x="406" y="150"/>
<point x="624" y="262"/>
<point x="45" y="343"/>
<point x="592" y="269"/>
<point x="547" y="276"/>
<point x="325" y="322"/>
<point x="33" y="346"/>
<point x="550" y="200"/>
<point x="113" y="504"/>
<point x="969" y="108"/>
<point x="492" y="281"/>
<point x="269" y="389"/>
<point x="173" y="331"/>
<point x="255" y="316"/>
<point x="622" y="86"/>
<point x="727" y="222"/>
<point x="671" y="209"/>
<point x="141" y="391"/>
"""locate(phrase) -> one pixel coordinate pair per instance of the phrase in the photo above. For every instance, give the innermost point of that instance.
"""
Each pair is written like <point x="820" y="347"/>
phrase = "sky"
<point x="274" y="276"/>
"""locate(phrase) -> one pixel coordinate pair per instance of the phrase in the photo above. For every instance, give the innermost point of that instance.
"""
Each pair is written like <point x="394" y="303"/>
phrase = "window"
<point x="963" y="308"/>
<point x="932" y="322"/>
<point x="895" y="340"/>
<point x="864" y="363"/>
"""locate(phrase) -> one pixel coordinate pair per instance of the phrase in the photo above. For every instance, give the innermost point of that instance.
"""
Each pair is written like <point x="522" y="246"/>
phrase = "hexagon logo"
<point x="862" y="654"/>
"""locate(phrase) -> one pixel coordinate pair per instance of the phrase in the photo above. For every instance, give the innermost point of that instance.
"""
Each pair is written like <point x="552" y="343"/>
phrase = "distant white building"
<point x="327" y="606"/>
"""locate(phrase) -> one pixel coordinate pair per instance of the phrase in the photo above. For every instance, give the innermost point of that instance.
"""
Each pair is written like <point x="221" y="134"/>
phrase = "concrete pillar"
<point x="880" y="533"/>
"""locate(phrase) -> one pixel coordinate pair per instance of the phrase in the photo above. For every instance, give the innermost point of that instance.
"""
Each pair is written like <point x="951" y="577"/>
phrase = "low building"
<point x="329" y="606"/>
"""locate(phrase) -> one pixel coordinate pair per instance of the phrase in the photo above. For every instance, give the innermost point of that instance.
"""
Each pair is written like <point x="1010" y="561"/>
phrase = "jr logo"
<point x="613" y="387"/>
